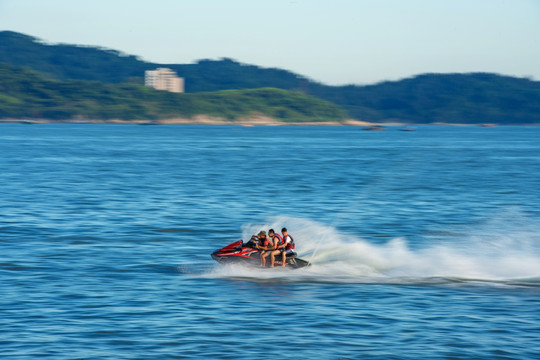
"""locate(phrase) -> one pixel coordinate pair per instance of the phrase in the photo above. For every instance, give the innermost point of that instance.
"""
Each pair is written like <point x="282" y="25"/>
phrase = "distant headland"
<point x="70" y="83"/>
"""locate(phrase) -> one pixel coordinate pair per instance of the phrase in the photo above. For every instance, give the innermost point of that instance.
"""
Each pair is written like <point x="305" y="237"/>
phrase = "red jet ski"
<point x="246" y="253"/>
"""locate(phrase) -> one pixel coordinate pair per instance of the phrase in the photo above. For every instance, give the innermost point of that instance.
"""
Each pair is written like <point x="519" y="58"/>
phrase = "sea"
<point x="423" y="244"/>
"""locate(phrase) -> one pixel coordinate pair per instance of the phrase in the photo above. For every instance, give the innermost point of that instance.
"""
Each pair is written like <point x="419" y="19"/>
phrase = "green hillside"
<point x="429" y="98"/>
<point x="70" y="62"/>
<point x="443" y="98"/>
<point x="27" y="94"/>
<point x="74" y="62"/>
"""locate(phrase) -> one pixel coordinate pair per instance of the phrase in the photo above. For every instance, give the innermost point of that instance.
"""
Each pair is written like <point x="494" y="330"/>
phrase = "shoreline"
<point x="246" y="122"/>
<point x="197" y="120"/>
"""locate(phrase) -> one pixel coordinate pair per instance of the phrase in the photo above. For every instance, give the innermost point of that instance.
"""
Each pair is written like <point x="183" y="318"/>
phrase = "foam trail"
<point x="487" y="254"/>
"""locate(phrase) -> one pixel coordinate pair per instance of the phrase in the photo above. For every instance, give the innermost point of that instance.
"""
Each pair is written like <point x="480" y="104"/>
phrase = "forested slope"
<point x="427" y="98"/>
<point x="28" y="94"/>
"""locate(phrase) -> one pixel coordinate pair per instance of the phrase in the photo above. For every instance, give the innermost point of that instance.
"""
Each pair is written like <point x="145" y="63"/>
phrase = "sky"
<point x="335" y="42"/>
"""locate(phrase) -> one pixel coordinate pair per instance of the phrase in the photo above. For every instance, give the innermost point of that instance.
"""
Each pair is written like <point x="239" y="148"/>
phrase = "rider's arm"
<point x="263" y="247"/>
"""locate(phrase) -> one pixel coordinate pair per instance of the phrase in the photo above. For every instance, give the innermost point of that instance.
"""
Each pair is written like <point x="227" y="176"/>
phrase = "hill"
<point x="443" y="98"/>
<point x="75" y="62"/>
<point x="428" y="98"/>
<point x="25" y="94"/>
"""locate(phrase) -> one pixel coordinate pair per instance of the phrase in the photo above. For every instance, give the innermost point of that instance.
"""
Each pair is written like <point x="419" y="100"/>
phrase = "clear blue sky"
<point x="331" y="41"/>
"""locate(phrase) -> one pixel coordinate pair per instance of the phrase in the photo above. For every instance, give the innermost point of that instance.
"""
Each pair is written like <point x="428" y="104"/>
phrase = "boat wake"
<point x="484" y="257"/>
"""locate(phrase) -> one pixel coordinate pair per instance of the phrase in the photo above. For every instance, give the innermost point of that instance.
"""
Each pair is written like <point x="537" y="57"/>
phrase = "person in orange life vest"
<point x="286" y="248"/>
<point x="273" y="242"/>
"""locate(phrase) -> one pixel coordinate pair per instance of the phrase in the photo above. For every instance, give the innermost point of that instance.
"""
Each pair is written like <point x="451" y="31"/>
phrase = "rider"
<point x="286" y="248"/>
<point x="262" y="244"/>
<point x="273" y="243"/>
<point x="261" y="239"/>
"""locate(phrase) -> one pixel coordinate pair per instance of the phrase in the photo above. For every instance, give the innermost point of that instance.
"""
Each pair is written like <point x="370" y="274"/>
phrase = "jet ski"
<point x="240" y="252"/>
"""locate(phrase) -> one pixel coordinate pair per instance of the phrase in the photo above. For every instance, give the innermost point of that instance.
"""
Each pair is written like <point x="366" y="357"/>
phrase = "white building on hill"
<point x="164" y="79"/>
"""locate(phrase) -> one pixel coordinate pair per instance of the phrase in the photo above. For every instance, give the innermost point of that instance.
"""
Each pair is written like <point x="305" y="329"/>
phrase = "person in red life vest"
<point x="286" y="248"/>
<point x="272" y="244"/>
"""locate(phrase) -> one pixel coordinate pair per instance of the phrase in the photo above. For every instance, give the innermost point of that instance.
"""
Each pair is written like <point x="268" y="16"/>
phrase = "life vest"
<point x="267" y="242"/>
<point x="280" y="239"/>
<point x="290" y="244"/>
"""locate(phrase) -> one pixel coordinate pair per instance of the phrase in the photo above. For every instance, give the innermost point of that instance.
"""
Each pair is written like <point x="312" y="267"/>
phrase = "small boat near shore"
<point x="374" y="128"/>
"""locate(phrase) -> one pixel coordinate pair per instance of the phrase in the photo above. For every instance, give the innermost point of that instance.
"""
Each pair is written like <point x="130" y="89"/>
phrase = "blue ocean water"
<point x="424" y="244"/>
